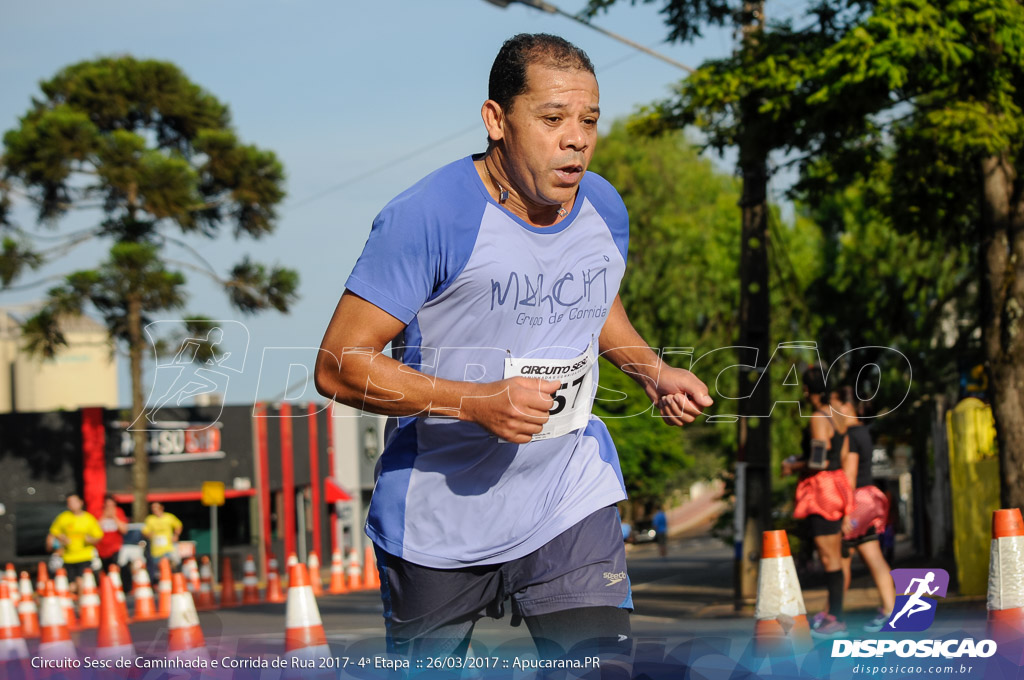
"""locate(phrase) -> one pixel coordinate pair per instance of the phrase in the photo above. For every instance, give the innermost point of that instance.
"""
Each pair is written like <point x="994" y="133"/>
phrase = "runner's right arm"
<point x="56" y="533"/>
<point x="352" y="369"/>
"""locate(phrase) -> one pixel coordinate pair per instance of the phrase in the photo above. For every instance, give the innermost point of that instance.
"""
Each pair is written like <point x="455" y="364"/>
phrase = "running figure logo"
<point x="915" y="610"/>
<point x="181" y="377"/>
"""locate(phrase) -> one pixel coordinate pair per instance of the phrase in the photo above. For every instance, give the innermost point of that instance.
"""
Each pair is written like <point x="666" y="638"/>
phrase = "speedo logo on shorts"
<point x="613" y="577"/>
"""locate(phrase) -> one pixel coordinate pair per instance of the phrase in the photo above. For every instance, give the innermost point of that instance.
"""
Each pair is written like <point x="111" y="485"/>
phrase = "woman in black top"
<point x="824" y="498"/>
<point x="871" y="506"/>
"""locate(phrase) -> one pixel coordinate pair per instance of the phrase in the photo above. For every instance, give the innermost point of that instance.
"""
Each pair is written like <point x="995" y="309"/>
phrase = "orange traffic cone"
<point x="274" y="593"/>
<point x="191" y="571"/>
<point x="12" y="643"/>
<point x="185" y="637"/>
<point x="164" y="589"/>
<point x="113" y="641"/>
<point x="250" y="582"/>
<point x="781" y="617"/>
<point x="228" y="596"/>
<point x="205" y="600"/>
<point x="55" y="638"/>
<point x="337" y="574"/>
<point x="292" y="560"/>
<point x="370" y="577"/>
<point x="114" y="574"/>
<point x="315" y="581"/>
<point x="11" y="576"/>
<point x="1006" y="584"/>
<point x="27" y="610"/>
<point x="89" y="602"/>
<point x="304" y="636"/>
<point x="142" y="593"/>
<point x="60" y="583"/>
<point x="355" y="572"/>
<point x="42" y="576"/>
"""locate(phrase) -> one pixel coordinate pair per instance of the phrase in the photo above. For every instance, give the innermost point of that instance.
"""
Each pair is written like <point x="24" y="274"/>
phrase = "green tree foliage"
<point x="945" y="137"/>
<point x="892" y="110"/>
<point x="679" y="291"/>
<point x="155" y="155"/>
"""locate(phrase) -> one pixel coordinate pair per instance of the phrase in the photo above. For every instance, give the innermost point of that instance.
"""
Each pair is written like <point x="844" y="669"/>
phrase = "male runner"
<point x="76" y="532"/>
<point x="489" y="277"/>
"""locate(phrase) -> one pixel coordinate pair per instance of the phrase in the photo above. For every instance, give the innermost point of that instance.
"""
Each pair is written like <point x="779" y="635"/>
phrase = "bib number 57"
<point x="560" y="395"/>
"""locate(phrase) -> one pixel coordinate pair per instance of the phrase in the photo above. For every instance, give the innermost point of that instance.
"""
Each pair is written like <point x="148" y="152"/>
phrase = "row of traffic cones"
<point x="357" y="576"/>
<point x="781" y="618"/>
<point x="304" y="632"/>
<point x="150" y="605"/>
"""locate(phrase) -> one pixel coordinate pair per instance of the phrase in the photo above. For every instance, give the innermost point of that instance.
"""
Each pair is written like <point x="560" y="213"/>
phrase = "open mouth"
<point x="569" y="174"/>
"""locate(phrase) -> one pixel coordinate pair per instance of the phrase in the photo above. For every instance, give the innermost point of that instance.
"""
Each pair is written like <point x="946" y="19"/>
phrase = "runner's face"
<point x="74" y="503"/>
<point x="550" y="133"/>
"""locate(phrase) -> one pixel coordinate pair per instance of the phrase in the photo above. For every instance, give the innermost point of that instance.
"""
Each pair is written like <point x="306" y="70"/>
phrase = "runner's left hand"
<point x="679" y="395"/>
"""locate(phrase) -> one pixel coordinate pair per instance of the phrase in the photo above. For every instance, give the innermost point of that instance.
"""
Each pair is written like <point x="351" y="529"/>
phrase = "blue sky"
<point x="336" y="89"/>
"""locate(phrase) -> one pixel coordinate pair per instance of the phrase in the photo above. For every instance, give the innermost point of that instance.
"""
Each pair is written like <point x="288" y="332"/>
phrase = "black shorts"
<point x="585" y="566"/>
<point x="75" y="570"/>
<point x="871" y="535"/>
<point x="819" y="526"/>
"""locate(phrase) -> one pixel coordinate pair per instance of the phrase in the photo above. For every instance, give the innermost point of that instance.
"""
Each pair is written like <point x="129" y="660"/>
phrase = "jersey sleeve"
<point x="398" y="269"/>
<point x="420" y="241"/>
<point x="57" y="528"/>
<point x="609" y="206"/>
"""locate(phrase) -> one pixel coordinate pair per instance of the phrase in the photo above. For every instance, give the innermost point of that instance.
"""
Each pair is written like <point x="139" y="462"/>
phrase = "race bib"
<point x="108" y="524"/>
<point x="573" y="400"/>
<point x="159" y="541"/>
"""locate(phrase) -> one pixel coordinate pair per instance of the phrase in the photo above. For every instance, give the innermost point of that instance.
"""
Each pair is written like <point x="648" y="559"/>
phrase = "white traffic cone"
<point x="55" y="639"/>
<point x="304" y="636"/>
<point x="250" y="582"/>
<point x="185" y="638"/>
<point x="27" y="610"/>
<point x="781" y="617"/>
<point x="355" y="571"/>
<point x="1006" y="584"/>
<point x="12" y="644"/>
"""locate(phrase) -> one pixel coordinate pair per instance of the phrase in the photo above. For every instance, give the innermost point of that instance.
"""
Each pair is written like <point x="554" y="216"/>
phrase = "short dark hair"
<point x="814" y="380"/>
<point x="508" y="72"/>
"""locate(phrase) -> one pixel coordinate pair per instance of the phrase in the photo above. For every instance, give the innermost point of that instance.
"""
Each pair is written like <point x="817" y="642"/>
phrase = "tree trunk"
<point x="754" y="435"/>
<point x="140" y="468"/>
<point x="1002" y="294"/>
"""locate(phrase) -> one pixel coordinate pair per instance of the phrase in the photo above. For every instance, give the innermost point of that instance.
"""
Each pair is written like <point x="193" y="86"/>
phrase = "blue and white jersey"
<point x="476" y="285"/>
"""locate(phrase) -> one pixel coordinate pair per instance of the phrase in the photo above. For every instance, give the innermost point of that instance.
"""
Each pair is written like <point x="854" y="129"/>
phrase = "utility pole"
<point x="754" y="432"/>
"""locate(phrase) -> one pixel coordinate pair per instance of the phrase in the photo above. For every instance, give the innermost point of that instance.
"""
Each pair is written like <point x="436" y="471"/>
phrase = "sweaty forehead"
<point x="550" y="84"/>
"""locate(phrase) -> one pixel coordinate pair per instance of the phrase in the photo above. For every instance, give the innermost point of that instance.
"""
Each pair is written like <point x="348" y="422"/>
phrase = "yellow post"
<point x="974" y="481"/>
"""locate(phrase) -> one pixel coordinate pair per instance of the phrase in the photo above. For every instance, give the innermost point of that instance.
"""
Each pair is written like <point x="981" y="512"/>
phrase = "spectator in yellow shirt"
<point x="76" y="532"/>
<point x="162" y="529"/>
